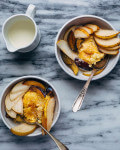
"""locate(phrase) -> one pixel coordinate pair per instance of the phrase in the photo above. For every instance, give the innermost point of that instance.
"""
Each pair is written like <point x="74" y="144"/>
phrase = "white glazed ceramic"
<point x="8" y="122"/>
<point x="30" y="13"/>
<point x="81" y="20"/>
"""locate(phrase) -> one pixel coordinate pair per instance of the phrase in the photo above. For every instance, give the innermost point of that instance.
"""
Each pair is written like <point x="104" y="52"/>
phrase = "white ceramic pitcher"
<point x="29" y="15"/>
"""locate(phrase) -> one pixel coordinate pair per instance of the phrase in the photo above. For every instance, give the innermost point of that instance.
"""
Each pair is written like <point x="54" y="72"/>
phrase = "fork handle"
<point x="60" y="145"/>
<point x="78" y="102"/>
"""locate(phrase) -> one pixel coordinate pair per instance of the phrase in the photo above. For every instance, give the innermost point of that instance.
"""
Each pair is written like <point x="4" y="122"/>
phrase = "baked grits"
<point x="33" y="106"/>
<point x="89" y="52"/>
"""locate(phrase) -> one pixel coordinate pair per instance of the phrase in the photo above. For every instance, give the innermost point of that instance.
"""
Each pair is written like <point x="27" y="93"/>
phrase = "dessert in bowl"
<point x="31" y="99"/>
<point x="82" y="42"/>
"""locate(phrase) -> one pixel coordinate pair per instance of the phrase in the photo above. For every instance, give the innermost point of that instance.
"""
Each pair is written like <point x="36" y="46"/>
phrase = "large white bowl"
<point x="8" y="122"/>
<point x="81" y="20"/>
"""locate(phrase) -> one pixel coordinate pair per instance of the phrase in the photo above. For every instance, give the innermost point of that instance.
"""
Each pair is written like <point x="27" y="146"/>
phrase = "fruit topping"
<point x="64" y="47"/>
<point x="35" y="83"/>
<point x="81" y="33"/>
<point x="83" y="65"/>
<point x="23" y="129"/>
<point x="106" y="34"/>
<point x="72" y="41"/>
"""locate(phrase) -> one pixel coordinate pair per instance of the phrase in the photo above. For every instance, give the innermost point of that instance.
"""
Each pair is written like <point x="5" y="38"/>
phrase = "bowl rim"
<point x="23" y="78"/>
<point x="56" y="49"/>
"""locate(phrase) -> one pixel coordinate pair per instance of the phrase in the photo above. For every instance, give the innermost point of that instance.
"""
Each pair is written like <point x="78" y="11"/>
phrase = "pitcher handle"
<point x="31" y="11"/>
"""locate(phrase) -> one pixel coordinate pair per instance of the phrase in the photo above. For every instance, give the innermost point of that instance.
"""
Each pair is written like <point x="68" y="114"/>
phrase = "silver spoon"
<point x="78" y="102"/>
<point x="60" y="145"/>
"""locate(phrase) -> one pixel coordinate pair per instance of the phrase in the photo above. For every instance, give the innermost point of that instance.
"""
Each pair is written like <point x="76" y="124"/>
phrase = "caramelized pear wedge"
<point x="82" y="65"/>
<point x="23" y="129"/>
<point x="35" y="83"/>
<point x="18" y="106"/>
<point x="106" y="34"/>
<point x="19" y="87"/>
<point x="49" y="112"/>
<point x="79" y="43"/>
<point x="67" y="32"/>
<point x="11" y="113"/>
<point x="88" y="73"/>
<point x="89" y="30"/>
<point x="14" y="96"/>
<point x="72" y="41"/>
<point x="44" y="124"/>
<point x="38" y="90"/>
<point x="74" y="68"/>
<point x="93" y="27"/>
<point x="64" y="47"/>
<point x="115" y="52"/>
<point x="48" y="115"/>
<point x="66" y="59"/>
<point x="70" y="63"/>
<point x="18" y="91"/>
<point x="112" y="48"/>
<point x="81" y="33"/>
<point x="8" y="102"/>
<point x="107" y="43"/>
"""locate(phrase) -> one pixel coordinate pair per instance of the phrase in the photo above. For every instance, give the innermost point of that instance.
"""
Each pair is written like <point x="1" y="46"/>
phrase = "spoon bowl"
<point x="60" y="145"/>
<point x="99" y="65"/>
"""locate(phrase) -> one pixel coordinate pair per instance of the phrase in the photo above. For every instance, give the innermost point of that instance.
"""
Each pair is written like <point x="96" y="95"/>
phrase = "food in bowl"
<point x="30" y="101"/>
<point x="83" y="46"/>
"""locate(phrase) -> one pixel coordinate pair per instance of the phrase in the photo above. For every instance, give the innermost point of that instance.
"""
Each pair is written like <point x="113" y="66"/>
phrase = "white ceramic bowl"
<point x="81" y="20"/>
<point x="8" y="122"/>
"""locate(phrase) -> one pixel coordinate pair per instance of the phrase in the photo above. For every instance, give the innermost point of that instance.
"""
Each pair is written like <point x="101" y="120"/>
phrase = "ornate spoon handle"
<point x="60" y="145"/>
<point x="78" y="102"/>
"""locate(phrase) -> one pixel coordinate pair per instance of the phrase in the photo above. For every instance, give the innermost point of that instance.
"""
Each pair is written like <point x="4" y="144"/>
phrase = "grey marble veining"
<point x="97" y="125"/>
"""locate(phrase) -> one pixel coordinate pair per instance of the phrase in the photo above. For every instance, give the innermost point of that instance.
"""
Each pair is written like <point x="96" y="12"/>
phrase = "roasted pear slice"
<point x="89" y="30"/>
<point x="64" y="47"/>
<point x="49" y="112"/>
<point x="35" y="83"/>
<point x="23" y="129"/>
<point x="8" y="102"/>
<point x="14" y="96"/>
<point x="67" y="32"/>
<point x="93" y="27"/>
<point x="112" y="48"/>
<point x="74" y="68"/>
<point x="107" y="43"/>
<point x="66" y="59"/>
<point x="70" y="63"/>
<point x="106" y="34"/>
<point x="88" y="73"/>
<point x="11" y="113"/>
<point x="72" y="41"/>
<point x="19" y="87"/>
<point x="81" y="33"/>
<point x="115" y="52"/>
<point x="18" y="91"/>
<point x="18" y="106"/>
<point x="44" y="124"/>
<point x="38" y="90"/>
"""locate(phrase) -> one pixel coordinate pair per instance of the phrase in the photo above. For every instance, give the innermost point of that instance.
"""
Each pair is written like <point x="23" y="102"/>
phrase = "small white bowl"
<point x="8" y="122"/>
<point x="81" y="20"/>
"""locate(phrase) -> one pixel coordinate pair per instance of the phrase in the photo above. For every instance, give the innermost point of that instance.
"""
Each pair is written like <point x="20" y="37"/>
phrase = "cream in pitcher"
<point x="20" y="31"/>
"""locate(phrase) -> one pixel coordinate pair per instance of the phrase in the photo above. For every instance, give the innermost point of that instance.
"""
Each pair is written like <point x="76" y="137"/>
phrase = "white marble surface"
<point x="97" y="125"/>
